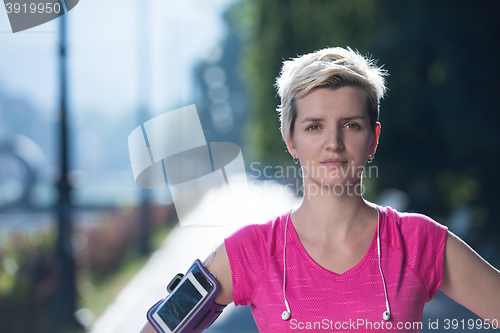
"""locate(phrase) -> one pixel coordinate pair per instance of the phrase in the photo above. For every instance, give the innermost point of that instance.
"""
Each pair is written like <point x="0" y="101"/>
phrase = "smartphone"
<point x="190" y="306"/>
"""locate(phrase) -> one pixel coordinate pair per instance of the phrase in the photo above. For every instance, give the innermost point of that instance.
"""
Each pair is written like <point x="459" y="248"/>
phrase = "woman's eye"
<point x="312" y="127"/>
<point x="352" y="125"/>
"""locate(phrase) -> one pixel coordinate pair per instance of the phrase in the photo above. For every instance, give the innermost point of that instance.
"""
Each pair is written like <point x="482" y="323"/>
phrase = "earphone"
<point x="287" y="313"/>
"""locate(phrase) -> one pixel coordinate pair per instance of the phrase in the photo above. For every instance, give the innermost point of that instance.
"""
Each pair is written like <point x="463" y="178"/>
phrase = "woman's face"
<point x="332" y="135"/>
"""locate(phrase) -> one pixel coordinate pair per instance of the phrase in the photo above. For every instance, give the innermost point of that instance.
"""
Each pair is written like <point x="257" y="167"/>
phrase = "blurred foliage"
<point x="26" y="282"/>
<point x="440" y="120"/>
<point x="104" y="244"/>
<point x="99" y="287"/>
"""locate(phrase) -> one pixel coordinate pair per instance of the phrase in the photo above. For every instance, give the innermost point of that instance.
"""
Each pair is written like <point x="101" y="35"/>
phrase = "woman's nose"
<point x="334" y="140"/>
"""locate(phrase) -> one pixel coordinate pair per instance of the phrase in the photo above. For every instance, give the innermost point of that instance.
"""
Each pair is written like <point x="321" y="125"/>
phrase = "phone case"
<point x="202" y="315"/>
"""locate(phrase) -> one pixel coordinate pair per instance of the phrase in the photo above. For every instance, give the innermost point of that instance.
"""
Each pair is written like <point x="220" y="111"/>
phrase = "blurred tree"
<point x="283" y="29"/>
<point x="439" y="121"/>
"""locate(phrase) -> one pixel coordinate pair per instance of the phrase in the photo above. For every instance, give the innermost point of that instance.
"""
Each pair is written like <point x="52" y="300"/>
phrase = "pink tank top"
<point x="412" y="247"/>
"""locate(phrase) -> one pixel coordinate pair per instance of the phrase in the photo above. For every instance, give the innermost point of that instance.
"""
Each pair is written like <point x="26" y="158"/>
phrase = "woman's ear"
<point x="289" y="145"/>
<point x="376" y="137"/>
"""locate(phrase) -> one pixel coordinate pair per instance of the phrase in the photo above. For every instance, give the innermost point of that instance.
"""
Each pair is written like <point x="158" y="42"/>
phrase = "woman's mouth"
<point x="334" y="162"/>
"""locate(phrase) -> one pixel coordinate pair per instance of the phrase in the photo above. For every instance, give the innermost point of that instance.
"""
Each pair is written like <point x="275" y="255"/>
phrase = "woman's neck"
<point x="333" y="216"/>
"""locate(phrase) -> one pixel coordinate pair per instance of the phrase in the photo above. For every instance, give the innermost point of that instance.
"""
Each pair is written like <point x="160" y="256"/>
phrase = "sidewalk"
<point x="182" y="246"/>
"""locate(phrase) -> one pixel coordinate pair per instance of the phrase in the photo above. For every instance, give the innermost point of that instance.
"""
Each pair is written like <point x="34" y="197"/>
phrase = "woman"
<point x="338" y="262"/>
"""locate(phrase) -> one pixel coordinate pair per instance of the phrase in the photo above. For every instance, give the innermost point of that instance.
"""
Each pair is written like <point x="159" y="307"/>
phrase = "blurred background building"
<point x="129" y="61"/>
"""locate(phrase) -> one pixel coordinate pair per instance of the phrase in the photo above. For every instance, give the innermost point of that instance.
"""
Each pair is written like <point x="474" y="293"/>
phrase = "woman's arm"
<point x="219" y="265"/>
<point x="470" y="280"/>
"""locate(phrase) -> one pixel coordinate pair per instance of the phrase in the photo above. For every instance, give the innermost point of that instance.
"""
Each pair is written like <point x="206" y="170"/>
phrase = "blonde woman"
<point x="338" y="262"/>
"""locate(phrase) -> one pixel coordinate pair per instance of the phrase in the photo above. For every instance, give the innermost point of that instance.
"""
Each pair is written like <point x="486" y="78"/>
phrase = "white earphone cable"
<point x="284" y="263"/>
<point x="380" y="264"/>
<point x="286" y="314"/>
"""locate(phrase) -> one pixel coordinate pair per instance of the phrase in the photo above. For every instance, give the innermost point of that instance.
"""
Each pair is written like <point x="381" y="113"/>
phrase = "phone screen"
<point x="184" y="298"/>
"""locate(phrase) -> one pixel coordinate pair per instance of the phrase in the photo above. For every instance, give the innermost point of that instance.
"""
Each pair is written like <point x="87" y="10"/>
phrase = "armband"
<point x="190" y="306"/>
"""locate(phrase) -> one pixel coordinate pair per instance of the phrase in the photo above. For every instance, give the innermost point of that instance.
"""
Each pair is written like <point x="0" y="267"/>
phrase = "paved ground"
<point x="184" y="245"/>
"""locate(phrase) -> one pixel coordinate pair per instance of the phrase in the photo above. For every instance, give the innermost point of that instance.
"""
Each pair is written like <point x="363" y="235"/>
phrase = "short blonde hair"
<point x="328" y="68"/>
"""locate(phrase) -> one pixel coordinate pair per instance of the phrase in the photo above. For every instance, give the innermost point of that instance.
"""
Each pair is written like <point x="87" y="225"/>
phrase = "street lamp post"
<point x="144" y="88"/>
<point x="65" y="297"/>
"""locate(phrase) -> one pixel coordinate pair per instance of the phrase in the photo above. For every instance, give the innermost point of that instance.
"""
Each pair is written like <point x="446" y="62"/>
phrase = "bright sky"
<point x="104" y="58"/>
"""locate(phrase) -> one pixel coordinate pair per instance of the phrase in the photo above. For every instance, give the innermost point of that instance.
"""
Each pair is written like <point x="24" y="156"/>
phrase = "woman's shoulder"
<point x="407" y="220"/>
<point x="250" y="250"/>
<point x="259" y="237"/>
<point x="259" y="230"/>
<point x="412" y="229"/>
<point x="420" y="241"/>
